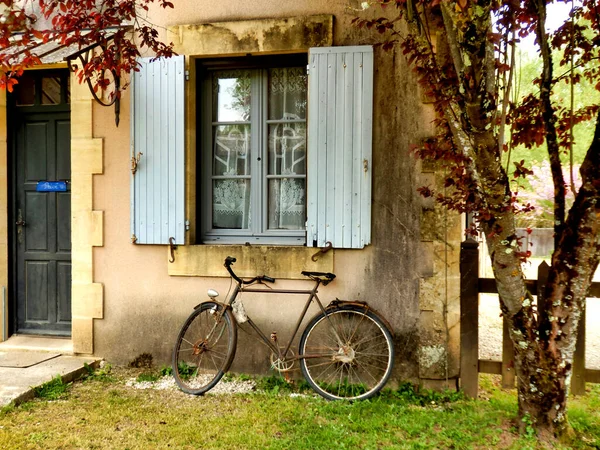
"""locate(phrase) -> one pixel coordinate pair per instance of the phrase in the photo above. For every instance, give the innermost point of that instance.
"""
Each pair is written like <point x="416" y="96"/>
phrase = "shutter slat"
<point x="348" y="126"/>
<point x="340" y="133"/>
<point x="331" y="179"/>
<point x="312" y="160"/>
<point x="338" y="88"/>
<point x="367" y="146"/>
<point x="158" y="131"/>
<point x="356" y="152"/>
<point x="322" y="146"/>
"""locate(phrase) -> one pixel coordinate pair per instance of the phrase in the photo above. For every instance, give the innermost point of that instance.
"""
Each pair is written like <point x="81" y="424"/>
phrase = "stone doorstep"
<point x="38" y="343"/>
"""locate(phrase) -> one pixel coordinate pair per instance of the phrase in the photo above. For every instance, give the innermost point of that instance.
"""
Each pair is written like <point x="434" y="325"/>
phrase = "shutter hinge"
<point x="187" y="225"/>
<point x="187" y="75"/>
<point x="134" y="162"/>
<point x="133" y="238"/>
<point x="308" y="69"/>
<point x="365" y="165"/>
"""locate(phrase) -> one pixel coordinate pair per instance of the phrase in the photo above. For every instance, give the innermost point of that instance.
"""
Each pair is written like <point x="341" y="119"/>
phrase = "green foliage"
<point x="147" y="376"/>
<point x="410" y="393"/>
<point x="166" y="371"/>
<point x="102" y="374"/>
<point x="276" y="384"/>
<point x="52" y="390"/>
<point x="529" y="428"/>
<point x="185" y="370"/>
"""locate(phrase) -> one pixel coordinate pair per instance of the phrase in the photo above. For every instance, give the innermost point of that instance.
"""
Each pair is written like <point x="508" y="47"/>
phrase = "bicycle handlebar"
<point x="230" y="260"/>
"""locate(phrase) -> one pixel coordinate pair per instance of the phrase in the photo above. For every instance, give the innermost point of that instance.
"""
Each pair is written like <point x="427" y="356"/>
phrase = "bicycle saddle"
<point x="323" y="276"/>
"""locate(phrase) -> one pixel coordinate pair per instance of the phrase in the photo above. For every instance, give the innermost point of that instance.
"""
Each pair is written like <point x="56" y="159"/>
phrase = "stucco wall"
<point x="144" y="306"/>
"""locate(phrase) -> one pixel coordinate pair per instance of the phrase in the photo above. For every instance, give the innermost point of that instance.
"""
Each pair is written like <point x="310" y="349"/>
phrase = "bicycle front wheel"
<point x="347" y="353"/>
<point x="205" y="348"/>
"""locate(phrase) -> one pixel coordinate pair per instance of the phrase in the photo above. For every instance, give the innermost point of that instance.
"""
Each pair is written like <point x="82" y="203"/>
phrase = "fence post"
<point x="508" y="357"/>
<point x="469" y="317"/>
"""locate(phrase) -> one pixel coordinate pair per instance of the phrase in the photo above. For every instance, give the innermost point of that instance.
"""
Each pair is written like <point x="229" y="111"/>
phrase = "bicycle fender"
<point x="211" y="301"/>
<point x="337" y="303"/>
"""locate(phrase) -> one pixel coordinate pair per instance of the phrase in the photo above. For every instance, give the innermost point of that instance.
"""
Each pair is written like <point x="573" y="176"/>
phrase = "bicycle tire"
<point x="356" y="370"/>
<point x="204" y="349"/>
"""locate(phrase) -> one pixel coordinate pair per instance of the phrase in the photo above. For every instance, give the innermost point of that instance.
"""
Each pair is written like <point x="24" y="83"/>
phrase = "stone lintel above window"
<point x="289" y="35"/>
<point x="274" y="261"/>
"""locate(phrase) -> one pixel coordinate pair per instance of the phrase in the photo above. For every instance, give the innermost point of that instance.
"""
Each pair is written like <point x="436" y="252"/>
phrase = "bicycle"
<point x="346" y="351"/>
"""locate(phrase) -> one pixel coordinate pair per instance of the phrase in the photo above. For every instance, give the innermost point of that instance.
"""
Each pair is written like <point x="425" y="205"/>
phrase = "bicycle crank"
<point x="282" y="364"/>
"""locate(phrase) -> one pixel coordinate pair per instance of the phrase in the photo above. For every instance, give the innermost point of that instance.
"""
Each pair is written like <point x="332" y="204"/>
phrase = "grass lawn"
<point x="103" y="412"/>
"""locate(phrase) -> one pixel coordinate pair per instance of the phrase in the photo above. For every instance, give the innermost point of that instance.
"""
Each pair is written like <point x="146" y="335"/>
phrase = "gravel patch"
<point x="223" y="387"/>
<point x="490" y="330"/>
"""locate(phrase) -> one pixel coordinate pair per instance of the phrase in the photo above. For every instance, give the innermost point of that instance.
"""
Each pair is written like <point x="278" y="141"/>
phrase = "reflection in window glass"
<point x="50" y="90"/>
<point x="231" y="96"/>
<point x="25" y="90"/>
<point x="232" y="150"/>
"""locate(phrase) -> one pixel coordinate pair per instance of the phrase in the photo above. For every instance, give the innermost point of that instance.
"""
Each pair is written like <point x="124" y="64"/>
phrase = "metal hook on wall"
<point x="172" y="248"/>
<point x="328" y="246"/>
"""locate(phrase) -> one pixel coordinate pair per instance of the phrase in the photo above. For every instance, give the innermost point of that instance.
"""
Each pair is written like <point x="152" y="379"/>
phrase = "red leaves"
<point x="9" y="83"/>
<point x="521" y="170"/>
<point x="81" y="23"/>
<point x="527" y="123"/>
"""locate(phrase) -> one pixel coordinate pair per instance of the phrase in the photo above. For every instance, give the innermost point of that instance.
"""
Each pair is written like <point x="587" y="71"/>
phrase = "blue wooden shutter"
<point x="340" y="122"/>
<point x="158" y="136"/>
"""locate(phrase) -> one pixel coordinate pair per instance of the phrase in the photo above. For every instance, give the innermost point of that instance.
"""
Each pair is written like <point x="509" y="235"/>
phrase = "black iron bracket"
<point x="84" y="58"/>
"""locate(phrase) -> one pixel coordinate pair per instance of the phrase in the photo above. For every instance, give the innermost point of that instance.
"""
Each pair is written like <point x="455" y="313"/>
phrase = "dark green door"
<point x="42" y="219"/>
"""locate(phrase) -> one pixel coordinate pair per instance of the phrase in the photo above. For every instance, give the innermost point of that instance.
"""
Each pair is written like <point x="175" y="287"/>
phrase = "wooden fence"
<point x="470" y="364"/>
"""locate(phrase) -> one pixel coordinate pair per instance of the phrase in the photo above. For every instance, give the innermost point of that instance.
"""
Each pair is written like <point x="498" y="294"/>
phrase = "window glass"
<point x="51" y="90"/>
<point x="287" y="204"/>
<point x="25" y="90"/>
<point x="258" y="152"/>
<point x="287" y="93"/>
<point x="231" y="204"/>
<point x="231" y="96"/>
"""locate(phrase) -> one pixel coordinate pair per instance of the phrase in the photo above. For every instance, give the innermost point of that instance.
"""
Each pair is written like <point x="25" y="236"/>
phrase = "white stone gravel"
<point x="223" y="387"/>
<point x="490" y="330"/>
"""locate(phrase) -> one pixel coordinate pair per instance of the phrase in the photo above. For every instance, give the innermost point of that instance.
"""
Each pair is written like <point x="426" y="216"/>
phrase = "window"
<point x="284" y="158"/>
<point x="253" y="151"/>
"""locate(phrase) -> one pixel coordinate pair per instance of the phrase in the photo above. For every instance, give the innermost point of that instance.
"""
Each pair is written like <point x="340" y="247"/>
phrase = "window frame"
<point x="259" y="232"/>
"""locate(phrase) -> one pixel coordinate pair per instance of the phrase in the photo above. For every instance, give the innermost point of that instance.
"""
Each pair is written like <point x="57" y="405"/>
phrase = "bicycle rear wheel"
<point x="347" y="354"/>
<point x="205" y="348"/>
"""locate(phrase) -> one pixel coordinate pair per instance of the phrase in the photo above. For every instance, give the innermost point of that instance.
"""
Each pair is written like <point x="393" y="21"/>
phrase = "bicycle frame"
<point x="312" y="293"/>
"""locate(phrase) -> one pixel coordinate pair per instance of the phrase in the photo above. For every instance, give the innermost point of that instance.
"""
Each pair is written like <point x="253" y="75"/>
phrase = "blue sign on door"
<point x="51" y="186"/>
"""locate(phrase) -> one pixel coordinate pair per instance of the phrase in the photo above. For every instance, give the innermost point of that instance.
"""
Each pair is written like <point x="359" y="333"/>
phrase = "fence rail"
<point x="471" y="365"/>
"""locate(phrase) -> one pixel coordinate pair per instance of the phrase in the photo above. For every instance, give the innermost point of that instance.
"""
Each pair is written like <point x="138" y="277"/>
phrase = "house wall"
<point x="143" y="306"/>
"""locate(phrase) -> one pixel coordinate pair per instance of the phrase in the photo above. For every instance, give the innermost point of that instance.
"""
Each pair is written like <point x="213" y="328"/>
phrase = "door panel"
<point x="43" y="224"/>
<point x="63" y="283"/>
<point x="36" y="293"/>
<point x="36" y="212"/>
<point x="63" y="210"/>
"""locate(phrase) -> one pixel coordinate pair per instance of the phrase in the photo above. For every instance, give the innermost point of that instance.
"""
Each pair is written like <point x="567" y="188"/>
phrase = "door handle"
<point x="20" y="223"/>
